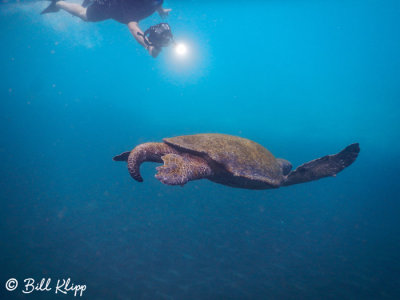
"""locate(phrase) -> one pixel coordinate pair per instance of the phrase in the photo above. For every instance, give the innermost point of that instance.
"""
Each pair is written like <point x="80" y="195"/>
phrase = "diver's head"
<point x="159" y="35"/>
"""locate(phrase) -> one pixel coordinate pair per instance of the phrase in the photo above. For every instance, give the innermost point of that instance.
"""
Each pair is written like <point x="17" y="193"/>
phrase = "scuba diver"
<point x="128" y="12"/>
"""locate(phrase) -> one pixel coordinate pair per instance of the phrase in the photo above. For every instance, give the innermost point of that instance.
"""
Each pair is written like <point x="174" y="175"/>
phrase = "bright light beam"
<point x="181" y="49"/>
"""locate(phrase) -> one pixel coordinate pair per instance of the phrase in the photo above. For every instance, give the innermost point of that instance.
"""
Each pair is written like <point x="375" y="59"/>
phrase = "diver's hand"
<point x="164" y="12"/>
<point x="153" y="51"/>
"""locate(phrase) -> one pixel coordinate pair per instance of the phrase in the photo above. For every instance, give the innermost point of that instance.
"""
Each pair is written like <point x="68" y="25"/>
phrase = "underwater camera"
<point x="158" y="36"/>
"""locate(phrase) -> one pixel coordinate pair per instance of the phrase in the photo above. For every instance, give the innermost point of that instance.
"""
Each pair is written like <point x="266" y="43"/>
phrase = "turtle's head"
<point x="285" y="165"/>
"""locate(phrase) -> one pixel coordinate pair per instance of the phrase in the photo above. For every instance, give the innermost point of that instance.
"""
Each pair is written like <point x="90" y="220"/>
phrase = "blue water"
<point x="303" y="78"/>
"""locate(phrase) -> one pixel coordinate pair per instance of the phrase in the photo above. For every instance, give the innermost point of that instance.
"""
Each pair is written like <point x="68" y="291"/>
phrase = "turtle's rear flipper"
<point x="52" y="8"/>
<point x="325" y="166"/>
<point x="86" y="3"/>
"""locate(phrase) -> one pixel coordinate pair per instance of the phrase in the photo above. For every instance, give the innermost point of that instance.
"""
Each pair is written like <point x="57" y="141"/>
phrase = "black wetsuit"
<point x="123" y="11"/>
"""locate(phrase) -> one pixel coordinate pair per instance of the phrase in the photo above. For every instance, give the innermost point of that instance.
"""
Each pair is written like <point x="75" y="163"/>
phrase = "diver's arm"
<point x="137" y="33"/>
<point x="139" y="37"/>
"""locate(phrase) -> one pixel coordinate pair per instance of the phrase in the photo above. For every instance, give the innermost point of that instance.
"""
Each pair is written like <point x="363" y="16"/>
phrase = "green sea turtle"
<point x="229" y="160"/>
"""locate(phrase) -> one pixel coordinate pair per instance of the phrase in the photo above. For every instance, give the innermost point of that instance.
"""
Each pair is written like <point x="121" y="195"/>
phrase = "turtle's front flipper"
<point x="178" y="169"/>
<point x="122" y="157"/>
<point x="145" y="152"/>
<point x="325" y="166"/>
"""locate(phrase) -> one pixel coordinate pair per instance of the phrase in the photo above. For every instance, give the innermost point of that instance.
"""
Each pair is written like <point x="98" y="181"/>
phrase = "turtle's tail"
<point x="151" y="152"/>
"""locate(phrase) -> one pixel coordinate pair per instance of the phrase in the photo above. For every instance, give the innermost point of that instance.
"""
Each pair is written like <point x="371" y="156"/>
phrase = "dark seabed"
<point x="303" y="78"/>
